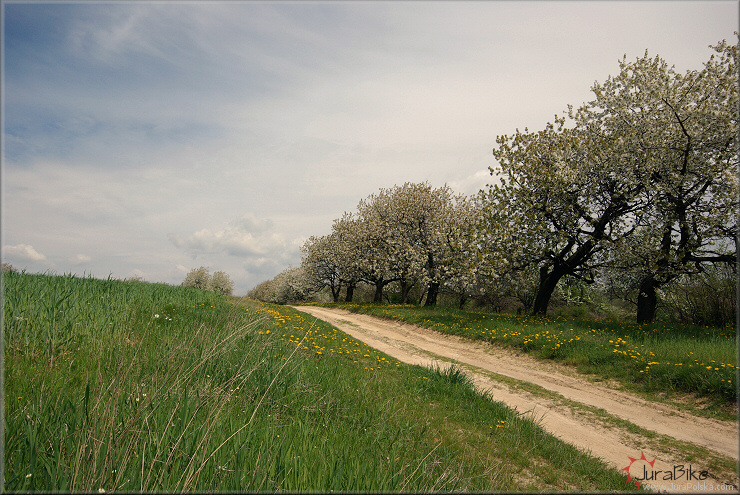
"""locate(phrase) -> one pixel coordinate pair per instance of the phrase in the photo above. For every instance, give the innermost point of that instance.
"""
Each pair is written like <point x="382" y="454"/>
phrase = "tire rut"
<point x="557" y="410"/>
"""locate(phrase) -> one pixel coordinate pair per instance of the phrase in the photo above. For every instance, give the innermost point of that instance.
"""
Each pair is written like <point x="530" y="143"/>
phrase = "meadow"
<point x="130" y="386"/>
<point x="671" y="360"/>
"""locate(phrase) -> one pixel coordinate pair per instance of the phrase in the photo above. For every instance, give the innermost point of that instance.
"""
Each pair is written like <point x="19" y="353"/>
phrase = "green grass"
<point x="131" y="386"/>
<point x="670" y="359"/>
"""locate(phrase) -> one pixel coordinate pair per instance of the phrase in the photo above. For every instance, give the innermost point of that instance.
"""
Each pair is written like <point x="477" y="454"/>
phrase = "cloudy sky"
<point x="149" y="138"/>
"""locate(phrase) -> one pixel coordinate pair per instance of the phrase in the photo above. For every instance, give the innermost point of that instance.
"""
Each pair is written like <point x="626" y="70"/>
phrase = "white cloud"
<point x="80" y="259"/>
<point x="134" y="131"/>
<point x="245" y="236"/>
<point x="250" y="223"/>
<point x="23" y="252"/>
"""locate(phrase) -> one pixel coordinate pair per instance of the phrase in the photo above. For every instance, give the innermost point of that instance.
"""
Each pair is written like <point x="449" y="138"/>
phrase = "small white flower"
<point x="101" y="490"/>
<point x="156" y="316"/>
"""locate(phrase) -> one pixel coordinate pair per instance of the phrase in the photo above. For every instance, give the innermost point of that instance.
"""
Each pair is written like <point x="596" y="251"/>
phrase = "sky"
<point x="145" y="139"/>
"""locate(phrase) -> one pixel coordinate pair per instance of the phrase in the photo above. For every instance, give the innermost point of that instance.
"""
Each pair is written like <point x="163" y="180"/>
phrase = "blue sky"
<point x="149" y="138"/>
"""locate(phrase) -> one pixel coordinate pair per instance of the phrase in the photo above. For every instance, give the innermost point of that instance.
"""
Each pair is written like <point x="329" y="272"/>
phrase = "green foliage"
<point x="47" y="315"/>
<point x="7" y="267"/>
<point x="163" y="388"/>
<point x="706" y="299"/>
<point x="663" y="358"/>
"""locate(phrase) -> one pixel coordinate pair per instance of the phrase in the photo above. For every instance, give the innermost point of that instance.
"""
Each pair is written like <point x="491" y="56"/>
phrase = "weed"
<point x="650" y="358"/>
<point x="129" y="386"/>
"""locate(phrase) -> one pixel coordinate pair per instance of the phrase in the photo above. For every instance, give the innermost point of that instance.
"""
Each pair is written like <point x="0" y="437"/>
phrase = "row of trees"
<point x="636" y="189"/>
<point x="291" y="285"/>
<point x="411" y="234"/>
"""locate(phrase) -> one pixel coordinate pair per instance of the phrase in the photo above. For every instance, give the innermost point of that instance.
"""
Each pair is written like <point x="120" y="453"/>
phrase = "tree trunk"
<point x="432" y="294"/>
<point x="647" y="300"/>
<point x="548" y="282"/>
<point x="379" y="292"/>
<point x="350" y="292"/>
<point x="405" y="289"/>
<point x="433" y="289"/>
<point x="335" y="292"/>
<point x="462" y="300"/>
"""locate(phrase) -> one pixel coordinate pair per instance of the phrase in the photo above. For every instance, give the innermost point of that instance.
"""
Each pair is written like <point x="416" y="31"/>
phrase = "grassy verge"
<point x="667" y="359"/>
<point x="723" y="467"/>
<point x="142" y="387"/>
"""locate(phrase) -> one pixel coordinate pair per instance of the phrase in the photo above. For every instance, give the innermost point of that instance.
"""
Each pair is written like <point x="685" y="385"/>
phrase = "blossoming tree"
<point x="687" y="123"/>
<point x="644" y="173"/>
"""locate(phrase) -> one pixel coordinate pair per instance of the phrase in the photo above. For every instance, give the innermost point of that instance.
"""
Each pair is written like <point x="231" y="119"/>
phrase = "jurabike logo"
<point x="641" y="470"/>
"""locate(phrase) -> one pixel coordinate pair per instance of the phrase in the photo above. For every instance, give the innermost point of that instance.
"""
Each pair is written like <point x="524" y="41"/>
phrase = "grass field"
<point x="670" y="359"/>
<point x="130" y="386"/>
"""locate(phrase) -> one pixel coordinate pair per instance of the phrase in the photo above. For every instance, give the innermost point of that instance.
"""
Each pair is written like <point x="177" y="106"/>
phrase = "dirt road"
<point x="592" y="416"/>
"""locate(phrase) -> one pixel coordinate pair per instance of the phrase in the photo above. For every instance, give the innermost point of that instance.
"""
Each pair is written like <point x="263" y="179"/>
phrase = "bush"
<point x="289" y="286"/>
<point x="8" y="268"/>
<point x="222" y="284"/>
<point x="199" y="278"/>
<point x="705" y="299"/>
<point x="263" y="291"/>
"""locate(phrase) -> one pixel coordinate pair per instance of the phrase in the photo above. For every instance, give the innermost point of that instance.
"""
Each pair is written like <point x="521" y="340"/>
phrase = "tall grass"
<point x="131" y="386"/>
<point x="668" y="358"/>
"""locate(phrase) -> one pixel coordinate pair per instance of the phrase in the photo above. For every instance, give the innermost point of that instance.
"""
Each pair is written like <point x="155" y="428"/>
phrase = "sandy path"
<point x="482" y="362"/>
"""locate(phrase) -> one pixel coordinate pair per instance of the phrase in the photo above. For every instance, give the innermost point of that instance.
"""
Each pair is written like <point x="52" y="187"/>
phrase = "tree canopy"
<point x="636" y="188"/>
<point x="644" y="175"/>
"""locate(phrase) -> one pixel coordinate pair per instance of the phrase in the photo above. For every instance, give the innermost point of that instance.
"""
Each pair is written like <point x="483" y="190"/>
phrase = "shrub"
<point x="198" y="278"/>
<point x="708" y="298"/>
<point x="8" y="268"/>
<point x="262" y="292"/>
<point x="289" y="286"/>
<point x="221" y="284"/>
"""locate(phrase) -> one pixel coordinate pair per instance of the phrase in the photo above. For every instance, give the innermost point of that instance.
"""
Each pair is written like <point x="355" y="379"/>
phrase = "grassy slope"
<point x="670" y="359"/>
<point x="132" y="386"/>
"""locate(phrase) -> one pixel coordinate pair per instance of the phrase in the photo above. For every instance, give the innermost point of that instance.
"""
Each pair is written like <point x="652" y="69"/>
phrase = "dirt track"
<point x="573" y="409"/>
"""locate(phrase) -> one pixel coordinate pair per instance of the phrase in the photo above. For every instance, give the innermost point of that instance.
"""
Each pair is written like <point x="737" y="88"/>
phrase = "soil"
<point x="596" y="417"/>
